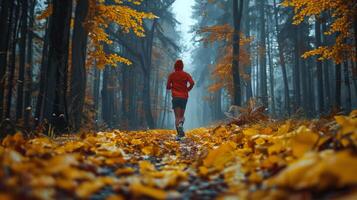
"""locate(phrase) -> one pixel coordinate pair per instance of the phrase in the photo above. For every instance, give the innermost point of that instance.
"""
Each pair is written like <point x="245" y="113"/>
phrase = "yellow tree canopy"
<point x="342" y="13"/>
<point x="223" y="68"/>
<point x="100" y="16"/>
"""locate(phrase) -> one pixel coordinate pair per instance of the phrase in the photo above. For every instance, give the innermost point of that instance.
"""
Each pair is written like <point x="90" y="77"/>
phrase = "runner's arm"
<point x="169" y="83"/>
<point x="192" y="83"/>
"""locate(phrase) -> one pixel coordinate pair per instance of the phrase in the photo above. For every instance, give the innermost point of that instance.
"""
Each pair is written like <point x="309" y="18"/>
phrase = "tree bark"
<point x="146" y="66"/>
<point x="348" y="88"/>
<point x="305" y="88"/>
<point x="147" y="102"/>
<point x="28" y="83"/>
<point x="262" y="55"/>
<point x="271" y="78"/>
<point x="106" y="102"/>
<point x="96" y="89"/>
<point x="55" y="108"/>
<point x="44" y="62"/>
<point x="22" y="53"/>
<point x="311" y="88"/>
<point x="296" y="69"/>
<point x="78" y="72"/>
<point x="355" y="36"/>
<point x="338" y="86"/>
<point x="246" y="17"/>
<point x="326" y="66"/>
<point x="237" y="16"/>
<point x="12" y="58"/>
<point x="320" y="88"/>
<point x="282" y="61"/>
<point x="6" y="12"/>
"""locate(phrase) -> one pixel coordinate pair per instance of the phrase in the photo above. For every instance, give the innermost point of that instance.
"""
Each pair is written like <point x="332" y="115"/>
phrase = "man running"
<point x="177" y="83"/>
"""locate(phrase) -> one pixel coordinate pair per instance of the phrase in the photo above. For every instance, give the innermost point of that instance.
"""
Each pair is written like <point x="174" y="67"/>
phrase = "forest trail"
<point x="297" y="158"/>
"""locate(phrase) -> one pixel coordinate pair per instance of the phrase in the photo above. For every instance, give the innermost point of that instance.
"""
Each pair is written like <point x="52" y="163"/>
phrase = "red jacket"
<point x="177" y="82"/>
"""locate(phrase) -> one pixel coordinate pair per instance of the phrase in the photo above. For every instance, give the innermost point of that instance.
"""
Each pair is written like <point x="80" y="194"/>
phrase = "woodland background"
<point x="104" y="63"/>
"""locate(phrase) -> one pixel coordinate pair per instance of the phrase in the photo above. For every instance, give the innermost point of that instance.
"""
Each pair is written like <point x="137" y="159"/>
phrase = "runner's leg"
<point x="182" y="115"/>
<point x="177" y="112"/>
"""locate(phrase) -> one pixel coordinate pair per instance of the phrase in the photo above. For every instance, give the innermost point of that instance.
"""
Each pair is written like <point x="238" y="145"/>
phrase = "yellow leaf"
<point x="217" y="158"/>
<point x="146" y="166"/>
<point x="148" y="150"/>
<point x="267" y="131"/>
<point x="151" y="192"/>
<point x="42" y="181"/>
<point x="88" y="188"/>
<point x="277" y="147"/>
<point x="250" y="132"/>
<point x="259" y="141"/>
<point x="304" y="141"/>
<point x="115" y="197"/>
<point x="124" y="171"/>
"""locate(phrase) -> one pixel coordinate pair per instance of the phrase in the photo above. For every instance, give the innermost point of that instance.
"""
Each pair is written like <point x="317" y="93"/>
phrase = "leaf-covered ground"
<point x="293" y="159"/>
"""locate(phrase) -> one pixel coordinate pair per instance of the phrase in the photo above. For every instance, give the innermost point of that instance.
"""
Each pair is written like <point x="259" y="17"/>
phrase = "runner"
<point x="178" y="84"/>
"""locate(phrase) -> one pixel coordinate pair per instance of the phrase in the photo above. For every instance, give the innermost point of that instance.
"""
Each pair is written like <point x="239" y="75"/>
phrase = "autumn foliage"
<point x="223" y="68"/>
<point x="100" y="16"/>
<point x="342" y="12"/>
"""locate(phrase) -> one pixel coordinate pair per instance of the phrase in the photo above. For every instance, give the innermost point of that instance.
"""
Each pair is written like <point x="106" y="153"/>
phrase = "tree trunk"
<point x="249" y="92"/>
<point x="262" y="55"/>
<point x="107" y="89"/>
<point x="12" y="58"/>
<point x="355" y="36"/>
<point x="22" y="53"/>
<point x="165" y="110"/>
<point x="296" y="69"/>
<point x="237" y="16"/>
<point x="147" y="101"/>
<point x="271" y="78"/>
<point x="133" y="98"/>
<point x="320" y="88"/>
<point x="43" y="79"/>
<point x="96" y="90"/>
<point x="305" y="89"/>
<point x="311" y="87"/>
<point x="282" y="61"/>
<point x="146" y="66"/>
<point x="125" y="97"/>
<point x="348" y="88"/>
<point x="55" y="108"/>
<point x="338" y="86"/>
<point x="326" y="66"/>
<point x="78" y="72"/>
<point x="6" y="12"/>
<point x="28" y="83"/>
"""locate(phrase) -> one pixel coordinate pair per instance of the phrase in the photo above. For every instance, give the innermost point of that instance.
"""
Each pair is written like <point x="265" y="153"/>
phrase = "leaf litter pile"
<point x="260" y="159"/>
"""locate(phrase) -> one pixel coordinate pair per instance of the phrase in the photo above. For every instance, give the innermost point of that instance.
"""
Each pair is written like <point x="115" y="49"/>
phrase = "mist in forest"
<point x="70" y="65"/>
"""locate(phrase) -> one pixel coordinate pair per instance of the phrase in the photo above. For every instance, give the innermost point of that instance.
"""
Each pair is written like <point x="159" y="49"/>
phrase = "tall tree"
<point x="348" y="100"/>
<point x="28" y="82"/>
<point x="282" y="60"/>
<point x="55" y="104"/>
<point x="5" y="14"/>
<point x="338" y="83"/>
<point x="247" y="29"/>
<point x="237" y="16"/>
<point x="21" y="75"/>
<point x="320" y="88"/>
<point x="262" y="54"/>
<point x="43" y="72"/>
<point x="14" y="21"/>
<point x="296" y="68"/>
<point x="78" y="70"/>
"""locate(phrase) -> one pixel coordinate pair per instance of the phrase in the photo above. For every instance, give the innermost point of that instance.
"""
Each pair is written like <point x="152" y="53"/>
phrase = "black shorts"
<point x="179" y="103"/>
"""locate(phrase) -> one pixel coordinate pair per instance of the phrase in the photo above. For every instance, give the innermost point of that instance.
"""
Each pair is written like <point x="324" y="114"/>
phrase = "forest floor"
<point x="264" y="159"/>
